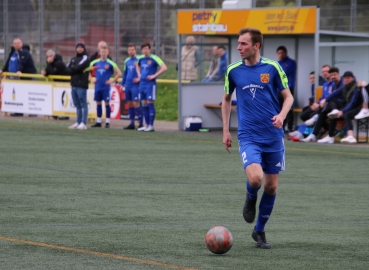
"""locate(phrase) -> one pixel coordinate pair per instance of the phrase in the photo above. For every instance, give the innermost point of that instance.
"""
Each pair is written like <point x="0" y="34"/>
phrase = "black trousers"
<point x="333" y="104"/>
<point x="289" y="121"/>
<point x="307" y="113"/>
<point x="349" y="116"/>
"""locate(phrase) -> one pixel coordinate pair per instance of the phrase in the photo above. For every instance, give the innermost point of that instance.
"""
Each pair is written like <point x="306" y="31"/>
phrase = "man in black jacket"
<point x="54" y="65"/>
<point x="79" y="83"/>
<point x="19" y="60"/>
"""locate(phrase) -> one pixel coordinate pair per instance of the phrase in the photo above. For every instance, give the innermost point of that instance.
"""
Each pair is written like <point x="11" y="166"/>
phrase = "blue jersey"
<point x="13" y="63"/>
<point x="149" y="66"/>
<point x="289" y="67"/>
<point x="130" y="71"/>
<point x="327" y="89"/>
<point x="257" y="90"/>
<point x="103" y="71"/>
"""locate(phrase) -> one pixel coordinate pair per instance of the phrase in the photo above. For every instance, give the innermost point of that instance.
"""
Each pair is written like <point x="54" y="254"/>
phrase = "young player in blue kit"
<point x="130" y="82"/>
<point x="148" y="72"/>
<point x="104" y="69"/>
<point x="257" y="81"/>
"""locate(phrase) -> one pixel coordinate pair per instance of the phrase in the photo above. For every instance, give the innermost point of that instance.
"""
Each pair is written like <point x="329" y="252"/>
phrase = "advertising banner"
<point x="63" y="103"/>
<point x="26" y="97"/>
<point x="52" y="99"/>
<point x="229" y="22"/>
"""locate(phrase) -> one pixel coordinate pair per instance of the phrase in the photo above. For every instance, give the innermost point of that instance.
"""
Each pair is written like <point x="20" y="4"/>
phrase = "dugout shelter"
<point x="296" y="28"/>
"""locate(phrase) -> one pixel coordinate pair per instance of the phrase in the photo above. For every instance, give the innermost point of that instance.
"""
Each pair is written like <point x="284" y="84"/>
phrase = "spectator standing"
<point x="79" y="83"/>
<point x="190" y="60"/>
<point x="19" y="61"/>
<point x="130" y="83"/>
<point x="290" y="68"/>
<point x="148" y="66"/>
<point x="104" y="69"/>
<point x="212" y="74"/>
<point x="223" y="62"/>
<point x="55" y="66"/>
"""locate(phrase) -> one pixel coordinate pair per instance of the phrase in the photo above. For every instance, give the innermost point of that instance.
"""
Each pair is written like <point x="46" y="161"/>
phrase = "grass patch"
<point x="167" y="97"/>
<point x="154" y="196"/>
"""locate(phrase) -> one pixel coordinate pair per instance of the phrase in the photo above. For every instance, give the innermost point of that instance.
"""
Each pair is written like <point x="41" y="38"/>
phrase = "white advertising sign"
<point x="26" y="97"/>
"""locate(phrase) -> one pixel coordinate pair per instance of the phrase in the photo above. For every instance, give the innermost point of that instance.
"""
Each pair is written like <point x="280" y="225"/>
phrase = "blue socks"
<point x="107" y="111"/>
<point x="252" y="192"/>
<point x="139" y="115"/>
<point x="131" y="112"/>
<point x="99" y="110"/>
<point x="147" y="115"/>
<point x="265" y="210"/>
<point x="152" y="113"/>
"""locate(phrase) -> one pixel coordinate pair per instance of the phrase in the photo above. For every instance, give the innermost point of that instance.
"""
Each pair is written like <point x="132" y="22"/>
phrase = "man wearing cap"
<point x="79" y="83"/>
<point x="338" y="103"/>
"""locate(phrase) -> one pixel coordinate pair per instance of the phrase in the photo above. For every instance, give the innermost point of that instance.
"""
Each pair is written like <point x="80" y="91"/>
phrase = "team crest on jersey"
<point x="106" y="66"/>
<point x="264" y="78"/>
<point x="149" y="62"/>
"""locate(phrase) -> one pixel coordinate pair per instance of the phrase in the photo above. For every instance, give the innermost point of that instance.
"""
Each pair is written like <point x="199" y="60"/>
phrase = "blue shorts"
<point x="148" y="92"/>
<point x="271" y="162"/>
<point x="132" y="93"/>
<point x="102" y="95"/>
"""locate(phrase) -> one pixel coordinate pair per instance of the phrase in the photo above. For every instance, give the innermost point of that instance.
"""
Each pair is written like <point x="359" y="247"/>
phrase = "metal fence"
<point x="59" y="24"/>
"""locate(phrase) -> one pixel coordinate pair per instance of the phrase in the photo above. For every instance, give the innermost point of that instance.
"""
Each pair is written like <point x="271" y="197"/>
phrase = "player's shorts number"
<point x="244" y="160"/>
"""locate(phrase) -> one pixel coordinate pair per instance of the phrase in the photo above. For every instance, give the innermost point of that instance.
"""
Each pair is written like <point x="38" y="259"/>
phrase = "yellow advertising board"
<point x="229" y="22"/>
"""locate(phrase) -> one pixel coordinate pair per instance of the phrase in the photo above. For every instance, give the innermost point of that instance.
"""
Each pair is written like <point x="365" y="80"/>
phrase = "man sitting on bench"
<point x="338" y="102"/>
<point x="350" y="115"/>
<point x="364" y="112"/>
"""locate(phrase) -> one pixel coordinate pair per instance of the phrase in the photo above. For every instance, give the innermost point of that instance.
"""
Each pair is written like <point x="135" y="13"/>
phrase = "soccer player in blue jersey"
<point x="148" y="66"/>
<point x="104" y="69"/>
<point x="257" y="82"/>
<point x="130" y="82"/>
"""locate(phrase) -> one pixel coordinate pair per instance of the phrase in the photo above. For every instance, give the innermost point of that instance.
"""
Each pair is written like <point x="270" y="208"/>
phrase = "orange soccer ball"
<point x="219" y="240"/>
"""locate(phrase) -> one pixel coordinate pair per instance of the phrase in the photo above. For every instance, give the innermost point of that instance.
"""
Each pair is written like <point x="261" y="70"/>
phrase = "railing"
<point x="67" y="78"/>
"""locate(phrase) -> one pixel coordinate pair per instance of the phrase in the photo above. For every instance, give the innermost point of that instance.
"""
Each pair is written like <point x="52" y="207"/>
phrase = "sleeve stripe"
<point x="93" y="62"/>
<point x="84" y="59"/>
<point x="112" y="63"/>
<point x="229" y="68"/>
<point x="278" y="67"/>
<point x="157" y="59"/>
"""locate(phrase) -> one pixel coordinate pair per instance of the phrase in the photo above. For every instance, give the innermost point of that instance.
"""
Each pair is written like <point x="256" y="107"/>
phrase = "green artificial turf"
<point x="152" y="197"/>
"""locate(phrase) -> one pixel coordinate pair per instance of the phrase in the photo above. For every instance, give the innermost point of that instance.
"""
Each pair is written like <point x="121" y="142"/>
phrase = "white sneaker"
<point x="333" y="114"/>
<point x="82" y="126"/>
<point x="74" y="126"/>
<point x="326" y="139"/>
<point x="362" y="114"/>
<point x="299" y="136"/>
<point x="149" y="129"/>
<point x="349" y="139"/>
<point x="142" y="128"/>
<point x="312" y="120"/>
<point x="310" y="138"/>
<point x="294" y="133"/>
